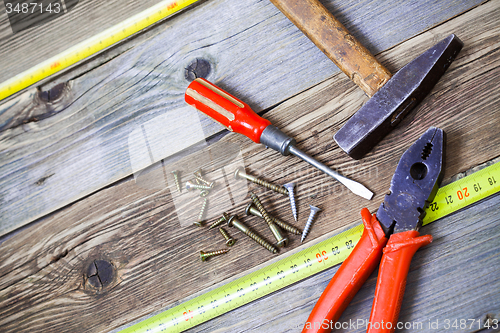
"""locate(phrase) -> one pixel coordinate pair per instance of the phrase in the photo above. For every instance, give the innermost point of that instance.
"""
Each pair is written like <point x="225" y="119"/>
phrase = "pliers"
<point x="390" y="237"/>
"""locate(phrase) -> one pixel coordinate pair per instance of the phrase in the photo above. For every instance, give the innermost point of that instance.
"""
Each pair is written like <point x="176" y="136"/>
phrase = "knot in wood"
<point x="53" y="94"/>
<point x="197" y="68"/>
<point x="100" y="273"/>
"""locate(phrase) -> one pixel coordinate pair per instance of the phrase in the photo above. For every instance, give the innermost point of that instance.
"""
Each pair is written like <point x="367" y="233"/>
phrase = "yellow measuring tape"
<point x="307" y="262"/>
<point x="92" y="45"/>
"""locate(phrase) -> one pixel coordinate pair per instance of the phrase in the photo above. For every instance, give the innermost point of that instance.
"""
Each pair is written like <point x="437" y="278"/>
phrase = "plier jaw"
<point x="414" y="184"/>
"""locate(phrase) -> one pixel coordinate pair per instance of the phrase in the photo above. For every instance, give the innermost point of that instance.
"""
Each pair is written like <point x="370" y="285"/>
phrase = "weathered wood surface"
<point x="44" y="282"/>
<point x="54" y="153"/>
<point x="85" y="20"/>
<point x="457" y="277"/>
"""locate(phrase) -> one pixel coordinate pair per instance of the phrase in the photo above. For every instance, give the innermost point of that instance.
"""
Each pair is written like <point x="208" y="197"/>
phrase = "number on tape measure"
<point x="463" y="192"/>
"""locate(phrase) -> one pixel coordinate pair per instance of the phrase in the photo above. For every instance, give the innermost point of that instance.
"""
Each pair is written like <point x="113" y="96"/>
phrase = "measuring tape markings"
<point x="248" y="288"/>
<point x="92" y="45"/>
<point x="307" y="262"/>
<point x="464" y="192"/>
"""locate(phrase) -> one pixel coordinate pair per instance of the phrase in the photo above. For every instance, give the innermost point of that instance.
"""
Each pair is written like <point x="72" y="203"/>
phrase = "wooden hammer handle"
<point x="331" y="37"/>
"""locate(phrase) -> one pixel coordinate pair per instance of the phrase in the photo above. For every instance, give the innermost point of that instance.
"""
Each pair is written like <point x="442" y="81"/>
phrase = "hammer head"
<point x="396" y="98"/>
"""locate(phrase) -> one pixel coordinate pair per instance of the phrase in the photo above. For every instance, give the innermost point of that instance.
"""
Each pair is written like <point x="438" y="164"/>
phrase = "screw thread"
<point x="199" y="221"/>
<point x="308" y="225"/>
<point x="261" y="208"/>
<point x="190" y="185"/>
<point x="224" y="234"/>
<point x="285" y="226"/>
<point x="219" y="221"/>
<point x="177" y="181"/>
<point x="291" y="196"/>
<point x="229" y="239"/>
<point x="261" y="241"/>
<point x="272" y="187"/>
<point x="205" y="255"/>
<point x="197" y="175"/>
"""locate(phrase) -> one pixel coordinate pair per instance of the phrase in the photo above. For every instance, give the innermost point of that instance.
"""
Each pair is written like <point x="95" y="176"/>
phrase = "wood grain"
<point x="136" y="224"/>
<point x="54" y="153"/>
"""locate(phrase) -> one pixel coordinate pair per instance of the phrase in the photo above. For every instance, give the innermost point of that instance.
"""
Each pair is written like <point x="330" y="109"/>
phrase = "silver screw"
<point x="177" y="181"/>
<point x="314" y="211"/>
<point x="191" y="186"/>
<point x="199" y="221"/>
<point x="240" y="173"/>
<point x="290" y="187"/>
<point x="199" y="177"/>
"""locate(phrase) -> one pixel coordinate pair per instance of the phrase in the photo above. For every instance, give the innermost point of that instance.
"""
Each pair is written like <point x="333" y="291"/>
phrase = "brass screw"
<point x="191" y="186"/>
<point x="280" y="240"/>
<point x="314" y="211"/>
<point x="205" y="255"/>
<point x="199" y="221"/>
<point x="239" y="173"/>
<point x="217" y="223"/>
<point x="177" y="181"/>
<point x="234" y="221"/>
<point x="290" y="187"/>
<point x="229" y="240"/>
<point x="199" y="177"/>
<point x="252" y="210"/>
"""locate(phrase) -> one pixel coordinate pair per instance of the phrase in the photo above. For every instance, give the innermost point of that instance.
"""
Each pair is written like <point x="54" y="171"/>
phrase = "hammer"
<point x="392" y="97"/>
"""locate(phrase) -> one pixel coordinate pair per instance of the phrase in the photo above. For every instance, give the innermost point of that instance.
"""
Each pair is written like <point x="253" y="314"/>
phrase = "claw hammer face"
<point x="392" y="97"/>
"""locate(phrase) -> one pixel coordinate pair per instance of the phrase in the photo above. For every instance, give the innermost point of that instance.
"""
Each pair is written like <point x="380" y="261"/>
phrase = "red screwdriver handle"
<point x="225" y="109"/>
<point x="353" y="273"/>
<point x="391" y="280"/>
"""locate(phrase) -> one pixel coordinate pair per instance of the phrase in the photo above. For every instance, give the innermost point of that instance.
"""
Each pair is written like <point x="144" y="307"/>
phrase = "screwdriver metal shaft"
<point x="355" y="187"/>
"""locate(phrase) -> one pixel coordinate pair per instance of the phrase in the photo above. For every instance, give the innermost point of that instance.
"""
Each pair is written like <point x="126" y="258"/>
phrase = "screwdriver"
<point x="238" y="117"/>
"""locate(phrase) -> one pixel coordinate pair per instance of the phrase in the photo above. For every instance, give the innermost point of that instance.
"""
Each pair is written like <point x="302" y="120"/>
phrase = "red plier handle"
<point x="352" y="274"/>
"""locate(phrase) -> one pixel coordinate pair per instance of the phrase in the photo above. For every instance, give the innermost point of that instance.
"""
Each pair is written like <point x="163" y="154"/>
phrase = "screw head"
<point x="204" y="193"/>
<point x="283" y="242"/>
<point x="202" y="256"/>
<point x="230" y="220"/>
<point x="190" y="186"/>
<point x="237" y="173"/>
<point x="314" y="208"/>
<point x="230" y="242"/>
<point x="289" y="186"/>
<point x="248" y="207"/>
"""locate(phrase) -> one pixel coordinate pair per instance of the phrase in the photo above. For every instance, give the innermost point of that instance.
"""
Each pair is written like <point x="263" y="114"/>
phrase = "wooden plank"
<point x="440" y="286"/>
<point x="82" y="138"/>
<point x="17" y="49"/>
<point x="133" y="224"/>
